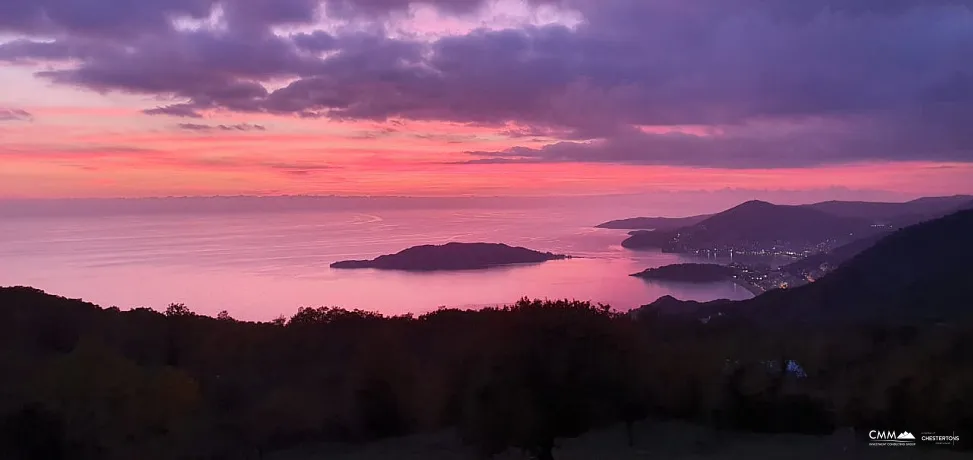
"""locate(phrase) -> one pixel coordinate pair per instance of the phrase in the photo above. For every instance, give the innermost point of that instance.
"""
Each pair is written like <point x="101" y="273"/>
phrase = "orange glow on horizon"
<point x="117" y="151"/>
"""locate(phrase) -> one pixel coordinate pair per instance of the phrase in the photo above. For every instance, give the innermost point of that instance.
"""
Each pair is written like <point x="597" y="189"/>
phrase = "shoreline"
<point x="752" y="288"/>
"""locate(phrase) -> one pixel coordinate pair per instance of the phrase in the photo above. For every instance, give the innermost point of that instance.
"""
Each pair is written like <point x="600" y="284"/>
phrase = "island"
<point x="756" y="281"/>
<point x="452" y="256"/>
<point x="689" y="273"/>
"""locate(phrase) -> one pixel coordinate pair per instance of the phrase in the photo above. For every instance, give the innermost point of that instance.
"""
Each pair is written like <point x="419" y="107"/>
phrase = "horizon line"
<point x="471" y="196"/>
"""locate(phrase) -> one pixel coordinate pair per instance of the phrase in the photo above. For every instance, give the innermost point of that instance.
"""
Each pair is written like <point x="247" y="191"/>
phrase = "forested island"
<point x="452" y="256"/>
<point x="689" y="273"/>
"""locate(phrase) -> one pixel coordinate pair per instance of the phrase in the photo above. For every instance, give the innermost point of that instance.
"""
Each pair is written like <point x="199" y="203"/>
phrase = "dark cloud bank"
<point x="775" y="83"/>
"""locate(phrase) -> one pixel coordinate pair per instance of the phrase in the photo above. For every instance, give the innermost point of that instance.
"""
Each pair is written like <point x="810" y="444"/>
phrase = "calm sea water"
<point x="258" y="265"/>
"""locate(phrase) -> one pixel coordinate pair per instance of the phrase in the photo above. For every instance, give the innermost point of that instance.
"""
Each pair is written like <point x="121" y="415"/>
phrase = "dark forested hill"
<point x="923" y="272"/>
<point x="919" y="274"/>
<point x="834" y="257"/>
<point x="762" y="221"/>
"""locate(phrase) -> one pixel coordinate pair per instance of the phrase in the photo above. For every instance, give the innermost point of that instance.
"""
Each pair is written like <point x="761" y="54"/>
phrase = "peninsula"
<point x="654" y="223"/>
<point x="452" y="256"/>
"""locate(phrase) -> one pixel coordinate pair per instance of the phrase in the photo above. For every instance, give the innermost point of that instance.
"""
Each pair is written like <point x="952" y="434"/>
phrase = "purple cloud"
<point x="774" y="146"/>
<point x="10" y="114"/>
<point x="315" y="41"/>
<point x="208" y="128"/>
<point x="98" y="18"/>
<point x="175" y="110"/>
<point x="784" y="83"/>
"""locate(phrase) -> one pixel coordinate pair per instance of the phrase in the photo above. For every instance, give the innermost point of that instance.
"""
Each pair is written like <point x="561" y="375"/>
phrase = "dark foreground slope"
<point x="920" y="273"/>
<point x="452" y="256"/>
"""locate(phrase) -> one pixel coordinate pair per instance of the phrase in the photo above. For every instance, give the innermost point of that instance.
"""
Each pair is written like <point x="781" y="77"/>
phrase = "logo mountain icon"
<point x="906" y="436"/>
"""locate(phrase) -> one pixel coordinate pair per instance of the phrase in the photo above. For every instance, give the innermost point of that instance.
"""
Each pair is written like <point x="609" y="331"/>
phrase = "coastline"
<point x="754" y="289"/>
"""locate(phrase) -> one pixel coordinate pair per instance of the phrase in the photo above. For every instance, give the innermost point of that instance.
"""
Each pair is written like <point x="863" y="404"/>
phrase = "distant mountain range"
<point x="452" y="256"/>
<point x="875" y="212"/>
<point x="907" y="213"/>
<point x="758" y="224"/>
<point x="920" y="274"/>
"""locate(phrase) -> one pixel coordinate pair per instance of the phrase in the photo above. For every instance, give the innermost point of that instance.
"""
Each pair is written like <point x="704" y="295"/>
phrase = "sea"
<point x="258" y="260"/>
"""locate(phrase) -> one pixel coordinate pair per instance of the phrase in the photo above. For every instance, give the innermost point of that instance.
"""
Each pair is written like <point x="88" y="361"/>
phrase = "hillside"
<point x="452" y="256"/>
<point x="759" y="221"/>
<point x="761" y="224"/>
<point x="921" y="274"/>
<point x="902" y="214"/>
<point x="654" y="223"/>
<point x="834" y="257"/>
<point x="893" y="215"/>
<point x="649" y="239"/>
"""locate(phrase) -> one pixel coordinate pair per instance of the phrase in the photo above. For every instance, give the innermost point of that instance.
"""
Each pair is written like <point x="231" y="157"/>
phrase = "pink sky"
<point x="91" y="151"/>
<point x="84" y="139"/>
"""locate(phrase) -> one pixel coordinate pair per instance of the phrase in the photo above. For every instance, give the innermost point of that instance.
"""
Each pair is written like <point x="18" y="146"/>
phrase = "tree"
<point x="562" y="369"/>
<point x="113" y="408"/>
<point x="32" y="432"/>
<point x="178" y="310"/>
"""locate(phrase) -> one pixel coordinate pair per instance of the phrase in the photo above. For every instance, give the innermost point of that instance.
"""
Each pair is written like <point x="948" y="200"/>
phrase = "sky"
<point x="116" y="98"/>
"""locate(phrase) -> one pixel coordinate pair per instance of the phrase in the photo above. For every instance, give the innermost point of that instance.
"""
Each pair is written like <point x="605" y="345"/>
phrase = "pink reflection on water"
<point x="261" y="265"/>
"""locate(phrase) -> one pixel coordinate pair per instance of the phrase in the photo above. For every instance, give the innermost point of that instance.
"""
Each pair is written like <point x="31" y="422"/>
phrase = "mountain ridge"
<point x="921" y="273"/>
<point x="872" y="210"/>
<point x="754" y="224"/>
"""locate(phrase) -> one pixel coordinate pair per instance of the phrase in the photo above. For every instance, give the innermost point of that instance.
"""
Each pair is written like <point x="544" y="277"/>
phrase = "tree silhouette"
<point x="32" y="432"/>
<point x="113" y="384"/>
<point x="177" y="310"/>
